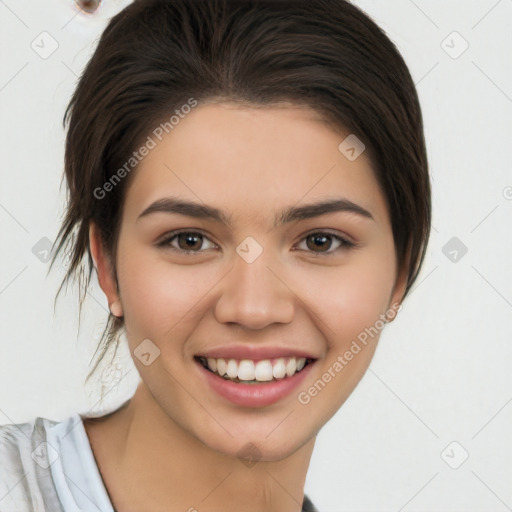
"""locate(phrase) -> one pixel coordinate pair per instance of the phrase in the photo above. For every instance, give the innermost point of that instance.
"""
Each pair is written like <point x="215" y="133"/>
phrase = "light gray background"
<point x="441" y="373"/>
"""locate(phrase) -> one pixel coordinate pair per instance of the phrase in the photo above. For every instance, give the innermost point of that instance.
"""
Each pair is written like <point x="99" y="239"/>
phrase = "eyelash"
<point x="345" y="244"/>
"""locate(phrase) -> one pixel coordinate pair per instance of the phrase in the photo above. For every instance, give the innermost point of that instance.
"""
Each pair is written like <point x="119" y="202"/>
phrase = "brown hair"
<point x="157" y="54"/>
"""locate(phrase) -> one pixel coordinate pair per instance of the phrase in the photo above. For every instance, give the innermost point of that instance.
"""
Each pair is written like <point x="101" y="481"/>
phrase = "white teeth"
<point x="262" y="371"/>
<point x="246" y="370"/>
<point x="221" y="367"/>
<point x="232" y="369"/>
<point x="279" y="369"/>
<point x="291" y="367"/>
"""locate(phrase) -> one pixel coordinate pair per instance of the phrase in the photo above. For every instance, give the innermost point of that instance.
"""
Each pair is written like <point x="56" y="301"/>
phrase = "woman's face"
<point x="260" y="282"/>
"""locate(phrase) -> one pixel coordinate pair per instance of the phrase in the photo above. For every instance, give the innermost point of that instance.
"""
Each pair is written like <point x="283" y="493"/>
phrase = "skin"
<point x="175" y="445"/>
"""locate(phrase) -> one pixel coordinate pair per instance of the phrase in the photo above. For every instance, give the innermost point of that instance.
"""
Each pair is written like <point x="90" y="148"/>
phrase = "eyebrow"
<point x="295" y="213"/>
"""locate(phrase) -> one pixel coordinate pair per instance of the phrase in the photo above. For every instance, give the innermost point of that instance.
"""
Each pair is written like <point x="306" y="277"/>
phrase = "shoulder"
<point x="49" y="465"/>
<point x="25" y="444"/>
<point x="39" y="458"/>
<point x="25" y="459"/>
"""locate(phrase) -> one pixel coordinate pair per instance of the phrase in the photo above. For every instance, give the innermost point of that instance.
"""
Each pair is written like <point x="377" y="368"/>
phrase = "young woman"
<point x="249" y="181"/>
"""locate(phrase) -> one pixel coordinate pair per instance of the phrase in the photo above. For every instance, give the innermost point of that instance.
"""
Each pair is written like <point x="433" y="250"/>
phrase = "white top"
<point x="49" y="466"/>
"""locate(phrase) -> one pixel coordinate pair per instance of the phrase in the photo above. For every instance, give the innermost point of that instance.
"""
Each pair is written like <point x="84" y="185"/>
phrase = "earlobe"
<point x="116" y="308"/>
<point x="398" y="294"/>
<point x="102" y="263"/>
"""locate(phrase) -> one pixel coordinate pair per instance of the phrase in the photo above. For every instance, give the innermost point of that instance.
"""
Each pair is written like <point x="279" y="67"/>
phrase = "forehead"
<point x="250" y="162"/>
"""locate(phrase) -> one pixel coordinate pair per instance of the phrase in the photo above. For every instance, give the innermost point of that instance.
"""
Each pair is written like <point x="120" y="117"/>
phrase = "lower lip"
<point x="254" y="395"/>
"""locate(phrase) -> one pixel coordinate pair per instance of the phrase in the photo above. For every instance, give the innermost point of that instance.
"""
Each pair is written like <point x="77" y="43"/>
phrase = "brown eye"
<point x="185" y="242"/>
<point x="189" y="241"/>
<point x="321" y="243"/>
<point x="318" y="241"/>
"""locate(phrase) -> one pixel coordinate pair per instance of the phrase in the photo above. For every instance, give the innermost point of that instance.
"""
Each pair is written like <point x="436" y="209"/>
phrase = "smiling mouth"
<point x="247" y="371"/>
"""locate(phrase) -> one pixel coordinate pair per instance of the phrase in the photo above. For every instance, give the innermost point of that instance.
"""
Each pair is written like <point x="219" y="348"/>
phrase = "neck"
<point x="154" y="464"/>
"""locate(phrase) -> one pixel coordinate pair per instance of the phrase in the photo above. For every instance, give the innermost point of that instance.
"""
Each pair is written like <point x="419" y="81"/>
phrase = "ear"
<point x="398" y="291"/>
<point x="397" y="294"/>
<point x="103" y="265"/>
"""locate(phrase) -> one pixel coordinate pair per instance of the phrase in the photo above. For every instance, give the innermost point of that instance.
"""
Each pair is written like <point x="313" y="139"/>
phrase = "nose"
<point x="255" y="295"/>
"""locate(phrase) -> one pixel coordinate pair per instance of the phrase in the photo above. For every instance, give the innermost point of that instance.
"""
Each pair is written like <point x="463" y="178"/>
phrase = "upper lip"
<point x="257" y="353"/>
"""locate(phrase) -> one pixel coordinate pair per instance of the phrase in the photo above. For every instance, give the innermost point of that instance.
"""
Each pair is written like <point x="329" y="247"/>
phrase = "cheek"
<point x="349" y="304"/>
<point x="350" y="299"/>
<point x="158" y="298"/>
